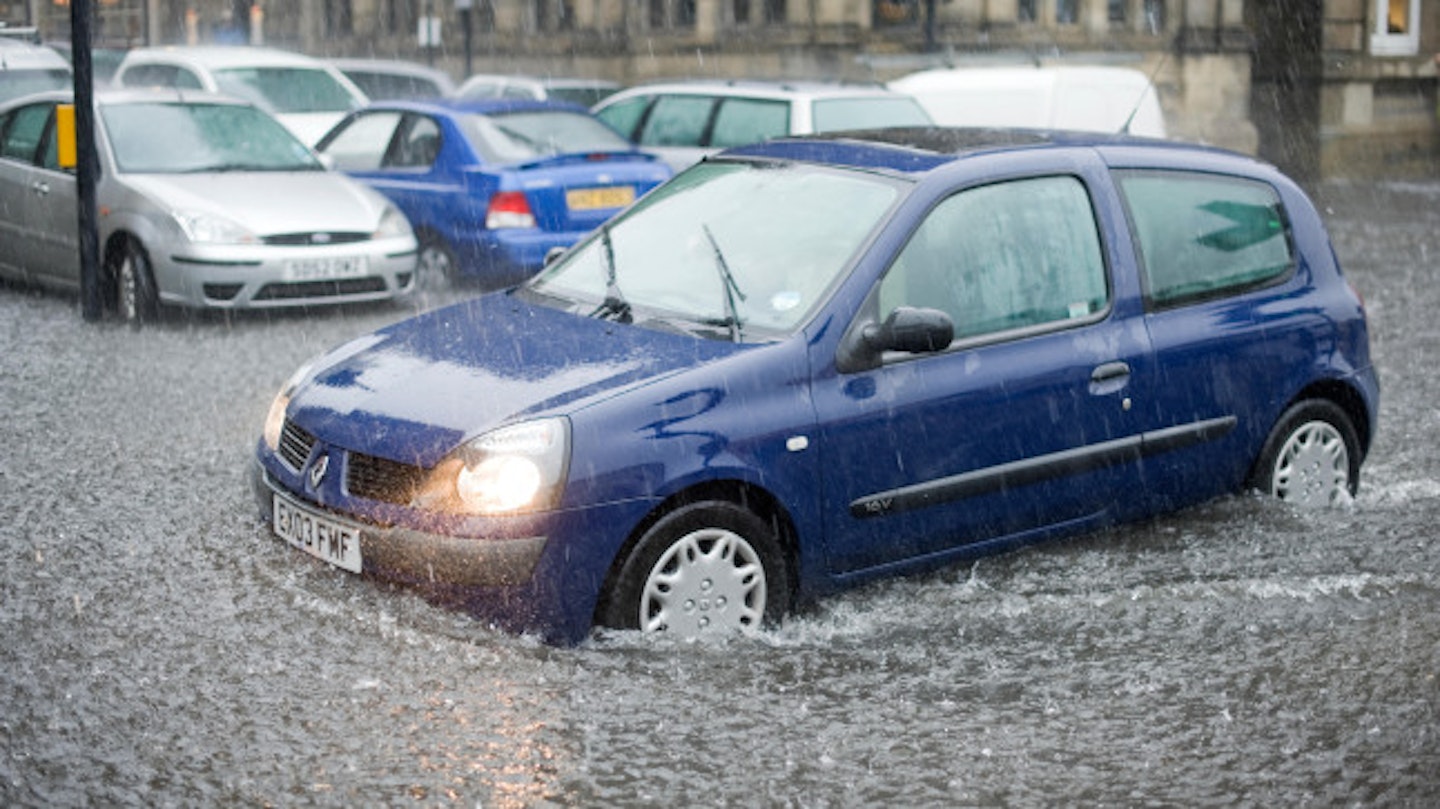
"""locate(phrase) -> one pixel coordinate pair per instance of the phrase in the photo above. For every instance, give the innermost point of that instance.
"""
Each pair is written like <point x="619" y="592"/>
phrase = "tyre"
<point x="706" y="568"/>
<point x="436" y="268"/>
<point x="1312" y="457"/>
<point x="135" y="301"/>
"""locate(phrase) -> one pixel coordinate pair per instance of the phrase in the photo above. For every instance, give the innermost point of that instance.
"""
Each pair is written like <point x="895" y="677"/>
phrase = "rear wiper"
<point x="732" y="291"/>
<point x="614" y="306"/>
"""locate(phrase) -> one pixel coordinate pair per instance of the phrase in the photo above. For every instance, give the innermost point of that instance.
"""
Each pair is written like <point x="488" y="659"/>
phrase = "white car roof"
<point x="18" y="55"/>
<point x="760" y="89"/>
<point x="222" y="56"/>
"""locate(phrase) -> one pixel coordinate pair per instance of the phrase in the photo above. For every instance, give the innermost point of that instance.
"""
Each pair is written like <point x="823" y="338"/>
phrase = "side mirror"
<point x="553" y="254"/>
<point x="912" y="330"/>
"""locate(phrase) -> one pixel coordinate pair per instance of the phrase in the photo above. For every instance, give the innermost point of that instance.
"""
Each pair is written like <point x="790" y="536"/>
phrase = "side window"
<point x="747" y="120"/>
<point x="418" y="145"/>
<point x="624" y="116"/>
<point x="1202" y="235"/>
<point x="1012" y="255"/>
<point x="677" y="121"/>
<point x="23" y="131"/>
<point x="362" y="144"/>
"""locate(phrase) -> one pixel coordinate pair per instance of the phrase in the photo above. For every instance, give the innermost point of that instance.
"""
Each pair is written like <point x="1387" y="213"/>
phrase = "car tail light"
<point x="509" y="209"/>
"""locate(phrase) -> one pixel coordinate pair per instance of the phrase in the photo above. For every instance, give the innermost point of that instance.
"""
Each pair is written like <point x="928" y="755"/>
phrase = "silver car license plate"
<point x="326" y="269"/>
<point x="325" y="539"/>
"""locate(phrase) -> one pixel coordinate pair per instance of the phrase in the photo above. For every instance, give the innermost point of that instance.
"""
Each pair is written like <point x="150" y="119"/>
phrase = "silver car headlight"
<point x="275" y="419"/>
<point x="207" y="228"/>
<point x="513" y="470"/>
<point x="393" y="224"/>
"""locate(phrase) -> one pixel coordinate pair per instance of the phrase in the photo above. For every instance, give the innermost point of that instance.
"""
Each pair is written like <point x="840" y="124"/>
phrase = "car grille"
<point x="317" y="239"/>
<point x="382" y="479"/>
<point x="295" y="445"/>
<point x="320" y="289"/>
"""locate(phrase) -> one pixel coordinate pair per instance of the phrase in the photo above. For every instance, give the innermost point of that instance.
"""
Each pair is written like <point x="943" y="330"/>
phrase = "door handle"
<point x="40" y="187"/>
<point x="1109" y="378"/>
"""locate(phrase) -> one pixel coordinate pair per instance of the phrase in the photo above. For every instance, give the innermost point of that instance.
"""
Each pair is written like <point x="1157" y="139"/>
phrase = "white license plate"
<point x="326" y="269"/>
<point x="321" y="537"/>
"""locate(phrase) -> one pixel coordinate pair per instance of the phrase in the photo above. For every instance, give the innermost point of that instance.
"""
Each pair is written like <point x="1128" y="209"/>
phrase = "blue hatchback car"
<point x="809" y="363"/>
<point x="492" y="187"/>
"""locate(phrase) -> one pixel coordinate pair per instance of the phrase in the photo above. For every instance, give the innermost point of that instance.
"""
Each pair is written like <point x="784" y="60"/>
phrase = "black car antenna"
<point x="1149" y="87"/>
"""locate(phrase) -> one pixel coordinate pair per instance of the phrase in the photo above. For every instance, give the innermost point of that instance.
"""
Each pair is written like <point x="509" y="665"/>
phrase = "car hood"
<point x="416" y="390"/>
<point x="269" y="202"/>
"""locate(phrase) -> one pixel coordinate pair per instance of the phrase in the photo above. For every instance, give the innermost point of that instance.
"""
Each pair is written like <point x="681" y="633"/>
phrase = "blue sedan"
<point x="810" y="363"/>
<point x="491" y="188"/>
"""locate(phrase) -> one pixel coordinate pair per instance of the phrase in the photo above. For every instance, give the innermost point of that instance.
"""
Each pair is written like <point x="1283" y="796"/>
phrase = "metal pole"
<point x="86" y="161"/>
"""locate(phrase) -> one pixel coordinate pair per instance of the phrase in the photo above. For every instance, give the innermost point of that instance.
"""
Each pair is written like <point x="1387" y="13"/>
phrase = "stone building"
<point x="1322" y="87"/>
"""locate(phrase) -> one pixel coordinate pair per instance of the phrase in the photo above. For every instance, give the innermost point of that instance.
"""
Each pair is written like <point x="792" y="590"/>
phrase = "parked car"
<point x="811" y="363"/>
<point x="26" y="68"/>
<point x="306" y="95"/>
<point x="385" y="79"/>
<point x="685" y="121"/>
<point x="103" y="61"/>
<point x="204" y="201"/>
<point x="1087" y="98"/>
<point x="492" y="187"/>
<point x="585" y="92"/>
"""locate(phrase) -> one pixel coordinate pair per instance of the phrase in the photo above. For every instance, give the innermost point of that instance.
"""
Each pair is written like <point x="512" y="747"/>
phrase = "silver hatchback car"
<point x="203" y="202"/>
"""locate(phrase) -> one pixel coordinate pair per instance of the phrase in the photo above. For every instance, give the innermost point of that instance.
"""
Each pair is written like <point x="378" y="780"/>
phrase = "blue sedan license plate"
<point x="325" y="539"/>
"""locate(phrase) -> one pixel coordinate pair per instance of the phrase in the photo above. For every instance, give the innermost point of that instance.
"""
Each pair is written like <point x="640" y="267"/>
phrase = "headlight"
<point x="275" y="419"/>
<point x="204" y="228"/>
<point x="392" y="224"/>
<point x="513" y="470"/>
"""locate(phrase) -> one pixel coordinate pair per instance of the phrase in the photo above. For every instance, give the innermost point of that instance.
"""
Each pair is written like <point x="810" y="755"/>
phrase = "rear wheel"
<point x="436" y="268"/>
<point x="1312" y="457"/>
<point x="135" y="301"/>
<point x="706" y="568"/>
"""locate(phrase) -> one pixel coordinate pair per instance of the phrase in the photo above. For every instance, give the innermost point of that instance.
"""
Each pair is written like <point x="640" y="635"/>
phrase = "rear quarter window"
<point x="1202" y="236"/>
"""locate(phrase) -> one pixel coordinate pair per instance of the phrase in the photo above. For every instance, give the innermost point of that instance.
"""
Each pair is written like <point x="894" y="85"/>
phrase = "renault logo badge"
<point x="317" y="470"/>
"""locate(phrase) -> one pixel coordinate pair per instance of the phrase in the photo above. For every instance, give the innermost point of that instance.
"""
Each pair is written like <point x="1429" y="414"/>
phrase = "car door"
<point x="1022" y="424"/>
<point x="41" y="220"/>
<point x="395" y="153"/>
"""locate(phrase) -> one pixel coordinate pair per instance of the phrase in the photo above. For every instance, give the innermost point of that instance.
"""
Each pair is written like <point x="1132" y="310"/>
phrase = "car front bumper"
<point x="267" y="277"/>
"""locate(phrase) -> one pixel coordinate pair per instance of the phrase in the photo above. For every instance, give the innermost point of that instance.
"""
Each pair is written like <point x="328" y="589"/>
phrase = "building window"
<point x="774" y="10"/>
<point x="1025" y="11"/>
<point x="1067" y="12"/>
<point x="1397" y="28"/>
<point x="1115" y="12"/>
<point x="1154" y="16"/>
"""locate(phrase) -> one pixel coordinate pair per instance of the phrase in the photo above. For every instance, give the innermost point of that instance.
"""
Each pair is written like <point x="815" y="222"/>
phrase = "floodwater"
<point x="161" y="649"/>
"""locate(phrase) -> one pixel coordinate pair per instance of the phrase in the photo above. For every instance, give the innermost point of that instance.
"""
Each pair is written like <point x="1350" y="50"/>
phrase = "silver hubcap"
<point x="127" y="289"/>
<point x="433" y="269"/>
<point x="709" y="581"/>
<point x="1314" y="466"/>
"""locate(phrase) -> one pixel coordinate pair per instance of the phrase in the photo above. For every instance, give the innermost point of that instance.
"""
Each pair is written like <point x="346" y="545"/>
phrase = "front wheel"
<point x="706" y="568"/>
<point x="1312" y="457"/>
<point x="136" y="301"/>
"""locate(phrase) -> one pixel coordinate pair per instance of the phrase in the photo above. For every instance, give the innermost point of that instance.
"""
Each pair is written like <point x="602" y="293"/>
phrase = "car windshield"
<point x="835" y="114"/>
<point x="16" y="83"/>
<point x="517" y="137"/>
<point x="741" y="250"/>
<point x="172" y="138"/>
<point x="287" y="89"/>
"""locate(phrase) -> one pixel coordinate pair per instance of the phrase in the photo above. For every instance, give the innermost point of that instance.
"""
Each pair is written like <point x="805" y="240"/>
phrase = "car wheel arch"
<point x="748" y="496"/>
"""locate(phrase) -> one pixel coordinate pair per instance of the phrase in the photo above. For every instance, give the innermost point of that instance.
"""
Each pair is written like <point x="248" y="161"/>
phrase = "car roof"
<point x="917" y="150"/>
<point x="19" y="55"/>
<point x="133" y="95"/>
<point x="480" y="106"/>
<point x="222" y="56"/>
<point x="763" y="88"/>
<point x="396" y="66"/>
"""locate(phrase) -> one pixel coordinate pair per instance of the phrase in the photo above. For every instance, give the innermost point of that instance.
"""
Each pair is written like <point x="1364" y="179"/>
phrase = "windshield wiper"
<point x="614" y="306"/>
<point x="732" y="290"/>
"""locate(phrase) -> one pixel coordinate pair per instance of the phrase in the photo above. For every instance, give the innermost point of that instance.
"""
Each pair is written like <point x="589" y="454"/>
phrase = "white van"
<point x="1092" y="99"/>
